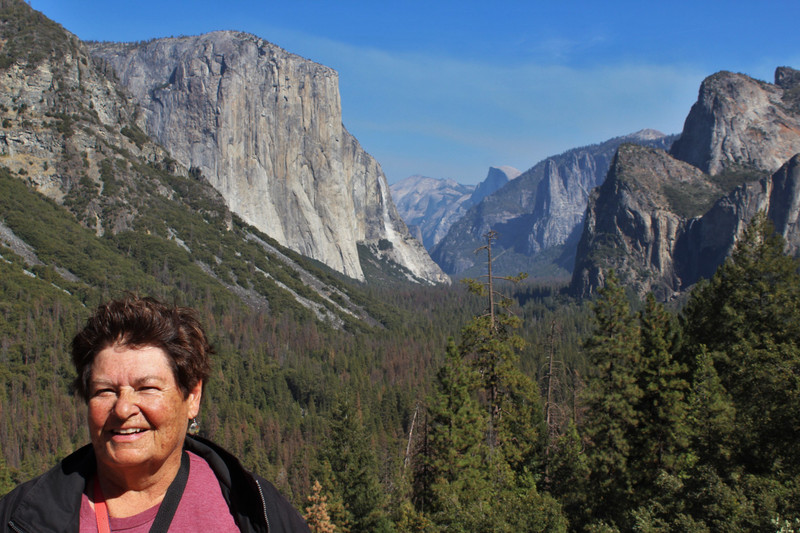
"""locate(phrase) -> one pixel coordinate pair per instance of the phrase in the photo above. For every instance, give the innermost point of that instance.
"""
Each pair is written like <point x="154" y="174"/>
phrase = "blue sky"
<point x="448" y="88"/>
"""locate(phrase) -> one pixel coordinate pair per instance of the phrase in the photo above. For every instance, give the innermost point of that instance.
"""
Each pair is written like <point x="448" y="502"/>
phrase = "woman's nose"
<point x="126" y="406"/>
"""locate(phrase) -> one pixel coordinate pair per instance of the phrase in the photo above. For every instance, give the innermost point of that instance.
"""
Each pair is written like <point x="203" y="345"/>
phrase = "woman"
<point x="141" y="369"/>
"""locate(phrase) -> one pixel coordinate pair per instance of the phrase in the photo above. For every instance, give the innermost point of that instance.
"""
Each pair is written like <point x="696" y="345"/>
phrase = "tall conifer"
<point x="663" y="438"/>
<point x="612" y="398"/>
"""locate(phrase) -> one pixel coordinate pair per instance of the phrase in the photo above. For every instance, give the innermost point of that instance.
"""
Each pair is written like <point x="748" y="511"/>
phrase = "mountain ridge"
<point x="537" y="215"/>
<point x="70" y="135"/>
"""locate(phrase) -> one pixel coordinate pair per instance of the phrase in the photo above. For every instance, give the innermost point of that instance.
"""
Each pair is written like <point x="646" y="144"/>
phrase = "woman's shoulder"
<point x="246" y="492"/>
<point x="34" y="499"/>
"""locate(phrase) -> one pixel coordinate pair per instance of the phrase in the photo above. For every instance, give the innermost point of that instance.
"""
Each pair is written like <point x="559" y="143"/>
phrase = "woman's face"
<point x="137" y="413"/>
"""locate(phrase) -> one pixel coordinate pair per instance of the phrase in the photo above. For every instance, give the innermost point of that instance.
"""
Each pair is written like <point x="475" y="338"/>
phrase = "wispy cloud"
<point x="510" y="114"/>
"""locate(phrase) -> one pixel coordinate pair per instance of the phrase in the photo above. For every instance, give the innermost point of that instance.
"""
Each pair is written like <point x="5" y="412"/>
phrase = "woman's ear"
<point x="194" y="399"/>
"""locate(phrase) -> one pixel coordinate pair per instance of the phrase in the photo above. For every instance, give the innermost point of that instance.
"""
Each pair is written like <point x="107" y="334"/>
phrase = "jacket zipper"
<point x="13" y="526"/>
<point x="263" y="503"/>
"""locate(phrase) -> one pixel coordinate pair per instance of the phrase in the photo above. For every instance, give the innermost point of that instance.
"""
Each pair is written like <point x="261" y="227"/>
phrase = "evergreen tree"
<point x="317" y="511"/>
<point x="612" y="398"/>
<point x="568" y="475"/>
<point x="454" y="481"/>
<point x="662" y="442"/>
<point x="662" y="458"/>
<point x="748" y="318"/>
<point x="353" y="473"/>
<point x="485" y="431"/>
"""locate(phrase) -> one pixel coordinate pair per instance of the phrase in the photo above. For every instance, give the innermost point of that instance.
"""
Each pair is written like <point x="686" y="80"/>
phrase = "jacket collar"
<point x="53" y="502"/>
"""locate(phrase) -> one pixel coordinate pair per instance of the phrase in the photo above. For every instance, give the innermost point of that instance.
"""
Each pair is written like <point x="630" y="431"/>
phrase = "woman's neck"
<point x="130" y="491"/>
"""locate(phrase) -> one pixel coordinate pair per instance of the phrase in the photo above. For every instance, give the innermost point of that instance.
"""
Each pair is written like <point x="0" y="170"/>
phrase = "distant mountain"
<point x="430" y="206"/>
<point x="538" y="215"/>
<point x="264" y="126"/>
<point x="663" y="220"/>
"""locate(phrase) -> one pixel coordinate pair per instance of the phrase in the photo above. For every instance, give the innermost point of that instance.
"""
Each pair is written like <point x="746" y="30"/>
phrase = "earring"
<point x="194" y="427"/>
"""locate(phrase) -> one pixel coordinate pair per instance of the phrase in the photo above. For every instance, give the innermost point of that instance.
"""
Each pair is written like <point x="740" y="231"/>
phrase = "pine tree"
<point x="748" y="318"/>
<point x="663" y="437"/>
<point x="485" y="430"/>
<point x="353" y="472"/>
<point x="516" y="430"/>
<point x="568" y="475"/>
<point x="317" y="511"/>
<point x="612" y="398"/>
<point x="454" y="480"/>
<point x="661" y="458"/>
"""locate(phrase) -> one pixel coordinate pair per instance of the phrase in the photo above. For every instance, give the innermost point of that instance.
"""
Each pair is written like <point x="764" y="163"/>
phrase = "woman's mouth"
<point x="127" y="431"/>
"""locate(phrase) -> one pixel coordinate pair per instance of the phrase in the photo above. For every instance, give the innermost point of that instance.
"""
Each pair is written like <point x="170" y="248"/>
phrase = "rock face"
<point x="61" y="116"/>
<point x="540" y="211"/>
<point x="264" y="127"/>
<point x="741" y="122"/>
<point x="632" y="224"/>
<point x="711" y="238"/>
<point x="495" y="180"/>
<point x="663" y="224"/>
<point x="430" y="206"/>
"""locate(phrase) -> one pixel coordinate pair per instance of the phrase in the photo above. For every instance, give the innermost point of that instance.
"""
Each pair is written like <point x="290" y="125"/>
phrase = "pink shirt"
<point x="202" y="507"/>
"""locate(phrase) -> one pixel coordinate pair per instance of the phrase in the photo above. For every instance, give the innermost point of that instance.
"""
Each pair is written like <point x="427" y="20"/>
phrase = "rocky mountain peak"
<point x="633" y="223"/>
<point x="646" y="134"/>
<point x="739" y="122"/>
<point x="539" y="211"/>
<point x="430" y="206"/>
<point x="495" y="179"/>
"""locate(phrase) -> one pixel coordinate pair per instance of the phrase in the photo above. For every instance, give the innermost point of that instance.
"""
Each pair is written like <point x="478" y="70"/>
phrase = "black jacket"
<point x="52" y="502"/>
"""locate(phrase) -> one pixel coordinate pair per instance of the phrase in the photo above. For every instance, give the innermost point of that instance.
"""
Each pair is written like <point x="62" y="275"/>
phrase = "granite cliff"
<point x="264" y="127"/>
<point x="634" y="220"/>
<point x="738" y="122"/>
<point x="663" y="221"/>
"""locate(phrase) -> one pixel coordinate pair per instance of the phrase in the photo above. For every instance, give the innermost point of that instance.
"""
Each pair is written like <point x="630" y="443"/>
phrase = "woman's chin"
<point x="126" y="451"/>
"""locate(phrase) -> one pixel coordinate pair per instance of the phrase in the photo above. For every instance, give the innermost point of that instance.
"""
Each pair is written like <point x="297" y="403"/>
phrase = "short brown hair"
<point x="140" y="322"/>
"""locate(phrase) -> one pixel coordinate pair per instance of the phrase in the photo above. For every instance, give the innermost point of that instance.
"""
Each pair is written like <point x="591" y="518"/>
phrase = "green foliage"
<point x="734" y="175"/>
<point x="675" y="438"/>
<point x="29" y="36"/>
<point x="612" y="398"/>
<point x="743" y="324"/>
<point x="453" y="480"/>
<point x="351" y="470"/>
<point x="135" y="134"/>
<point x="690" y="201"/>
<point x="663" y="438"/>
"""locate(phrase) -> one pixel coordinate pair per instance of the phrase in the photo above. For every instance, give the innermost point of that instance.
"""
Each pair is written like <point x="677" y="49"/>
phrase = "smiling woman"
<point x="141" y="369"/>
